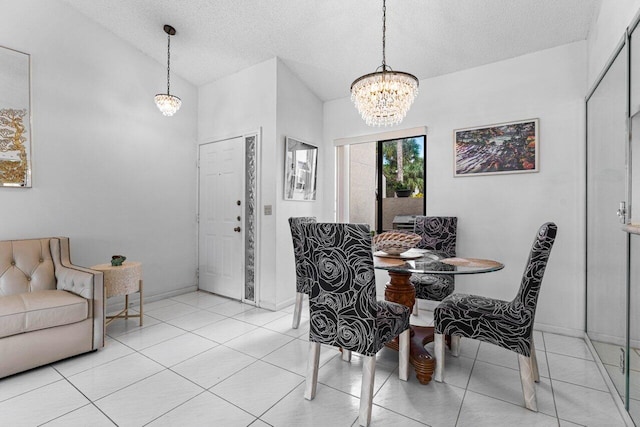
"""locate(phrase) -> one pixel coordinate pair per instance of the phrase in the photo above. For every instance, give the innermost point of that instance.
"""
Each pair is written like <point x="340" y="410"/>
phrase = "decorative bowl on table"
<point x="395" y="242"/>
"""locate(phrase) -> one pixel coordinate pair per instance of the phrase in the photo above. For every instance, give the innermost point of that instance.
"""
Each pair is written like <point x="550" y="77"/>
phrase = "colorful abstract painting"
<point x="501" y="148"/>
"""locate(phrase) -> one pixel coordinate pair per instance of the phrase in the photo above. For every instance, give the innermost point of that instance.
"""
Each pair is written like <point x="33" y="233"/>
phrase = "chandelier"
<point x="166" y="102"/>
<point x="384" y="97"/>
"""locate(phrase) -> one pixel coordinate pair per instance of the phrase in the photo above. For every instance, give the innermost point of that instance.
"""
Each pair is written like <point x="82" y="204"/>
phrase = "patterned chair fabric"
<point x="342" y="302"/>
<point x="508" y="324"/>
<point x="303" y="284"/>
<point x="439" y="234"/>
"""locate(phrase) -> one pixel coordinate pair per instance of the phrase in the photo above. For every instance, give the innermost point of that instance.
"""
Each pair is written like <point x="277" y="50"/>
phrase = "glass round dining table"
<point x="400" y="290"/>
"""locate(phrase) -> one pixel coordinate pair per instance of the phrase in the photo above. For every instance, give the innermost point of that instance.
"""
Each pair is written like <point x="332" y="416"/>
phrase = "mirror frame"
<point x="300" y="170"/>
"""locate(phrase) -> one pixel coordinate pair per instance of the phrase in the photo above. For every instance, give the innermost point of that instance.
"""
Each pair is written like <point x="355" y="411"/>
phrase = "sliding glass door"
<point x="606" y="242"/>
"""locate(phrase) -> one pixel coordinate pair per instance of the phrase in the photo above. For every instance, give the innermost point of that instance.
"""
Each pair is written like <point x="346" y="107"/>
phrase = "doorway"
<point x="227" y="217"/>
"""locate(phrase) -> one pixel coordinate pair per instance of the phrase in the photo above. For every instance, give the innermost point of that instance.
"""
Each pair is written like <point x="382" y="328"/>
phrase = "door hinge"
<point x="197" y="276"/>
<point x="197" y="218"/>
<point x="622" y="361"/>
<point x="198" y="164"/>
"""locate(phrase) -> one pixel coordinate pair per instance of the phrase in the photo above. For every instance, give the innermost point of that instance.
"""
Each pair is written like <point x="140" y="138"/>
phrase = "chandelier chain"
<point x="168" y="60"/>
<point x="384" y="38"/>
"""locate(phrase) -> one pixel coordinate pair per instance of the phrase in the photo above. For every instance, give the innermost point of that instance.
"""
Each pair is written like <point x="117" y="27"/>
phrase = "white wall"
<point x="499" y="215"/>
<point x="109" y="170"/>
<point x="609" y="27"/>
<point x="299" y="115"/>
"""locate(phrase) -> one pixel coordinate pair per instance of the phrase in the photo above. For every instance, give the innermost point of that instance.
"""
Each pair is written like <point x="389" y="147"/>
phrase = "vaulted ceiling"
<point x="328" y="43"/>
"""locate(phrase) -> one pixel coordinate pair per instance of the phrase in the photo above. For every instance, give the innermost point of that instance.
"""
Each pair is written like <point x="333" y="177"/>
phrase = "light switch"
<point x="267" y="210"/>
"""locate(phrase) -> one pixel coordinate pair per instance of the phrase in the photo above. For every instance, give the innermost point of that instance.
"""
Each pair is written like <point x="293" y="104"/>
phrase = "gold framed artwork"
<point x="15" y="118"/>
<point x="497" y="149"/>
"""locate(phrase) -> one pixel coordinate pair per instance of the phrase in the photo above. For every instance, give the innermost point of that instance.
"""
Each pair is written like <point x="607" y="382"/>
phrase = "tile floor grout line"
<point x="91" y="402"/>
<point x="553" y="393"/>
<point x="466" y="387"/>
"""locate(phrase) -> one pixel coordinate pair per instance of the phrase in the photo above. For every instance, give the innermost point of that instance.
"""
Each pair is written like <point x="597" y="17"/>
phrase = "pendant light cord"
<point x="168" y="59"/>
<point x="384" y="39"/>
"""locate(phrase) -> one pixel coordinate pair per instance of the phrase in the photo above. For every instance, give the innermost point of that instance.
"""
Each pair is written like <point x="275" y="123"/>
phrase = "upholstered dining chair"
<point x="302" y="280"/>
<point x="439" y="234"/>
<point x="508" y="324"/>
<point x="343" y="308"/>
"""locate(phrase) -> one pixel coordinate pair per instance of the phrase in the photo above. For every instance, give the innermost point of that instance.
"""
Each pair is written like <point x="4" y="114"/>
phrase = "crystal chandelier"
<point x="384" y="97"/>
<point x="166" y="102"/>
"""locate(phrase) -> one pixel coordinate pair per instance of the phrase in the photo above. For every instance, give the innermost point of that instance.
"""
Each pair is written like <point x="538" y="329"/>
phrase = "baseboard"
<point x="286" y="303"/>
<point x="117" y="303"/>
<point x="570" y="332"/>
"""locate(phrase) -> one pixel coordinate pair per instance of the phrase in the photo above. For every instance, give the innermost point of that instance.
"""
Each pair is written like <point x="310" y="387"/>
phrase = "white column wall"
<point x="109" y="170"/>
<point x="238" y="104"/>
<point x="299" y="116"/>
<point x="500" y="214"/>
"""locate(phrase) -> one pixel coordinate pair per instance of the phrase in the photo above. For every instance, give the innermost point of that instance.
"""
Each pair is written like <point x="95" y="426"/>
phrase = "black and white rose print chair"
<point x="343" y="308"/>
<point x="508" y="324"/>
<point x="439" y="234"/>
<point x="302" y="280"/>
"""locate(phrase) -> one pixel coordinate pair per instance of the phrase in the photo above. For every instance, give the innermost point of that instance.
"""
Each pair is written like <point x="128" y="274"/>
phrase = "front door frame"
<point x="251" y="217"/>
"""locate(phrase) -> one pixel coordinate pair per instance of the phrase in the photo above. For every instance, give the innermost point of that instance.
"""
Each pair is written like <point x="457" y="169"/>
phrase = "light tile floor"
<point x="202" y="360"/>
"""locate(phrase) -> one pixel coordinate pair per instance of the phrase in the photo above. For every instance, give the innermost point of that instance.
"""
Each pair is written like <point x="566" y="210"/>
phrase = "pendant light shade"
<point x="384" y="97"/>
<point x="166" y="102"/>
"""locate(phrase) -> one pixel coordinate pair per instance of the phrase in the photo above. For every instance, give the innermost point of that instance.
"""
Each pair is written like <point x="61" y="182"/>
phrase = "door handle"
<point x="622" y="212"/>
<point x="236" y="229"/>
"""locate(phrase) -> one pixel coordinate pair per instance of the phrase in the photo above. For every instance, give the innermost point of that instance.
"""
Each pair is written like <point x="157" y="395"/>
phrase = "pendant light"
<point x="166" y="102"/>
<point x="384" y="97"/>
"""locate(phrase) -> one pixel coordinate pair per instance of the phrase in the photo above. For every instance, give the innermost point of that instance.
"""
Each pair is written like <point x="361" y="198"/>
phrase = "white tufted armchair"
<point x="50" y="309"/>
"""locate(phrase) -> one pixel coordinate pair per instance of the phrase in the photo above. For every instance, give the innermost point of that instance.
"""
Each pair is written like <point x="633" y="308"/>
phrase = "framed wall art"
<point x="497" y="149"/>
<point x="15" y="118"/>
<point x="300" y="175"/>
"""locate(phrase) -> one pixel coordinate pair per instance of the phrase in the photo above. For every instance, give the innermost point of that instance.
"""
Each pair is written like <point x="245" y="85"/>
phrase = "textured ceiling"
<point x="328" y="43"/>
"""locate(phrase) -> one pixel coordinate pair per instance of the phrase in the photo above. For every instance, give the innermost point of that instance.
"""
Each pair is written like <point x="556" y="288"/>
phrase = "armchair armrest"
<point x="81" y="281"/>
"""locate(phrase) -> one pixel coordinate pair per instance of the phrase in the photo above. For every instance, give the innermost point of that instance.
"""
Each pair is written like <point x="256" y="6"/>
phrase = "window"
<point x="401" y="182"/>
<point x="368" y="177"/>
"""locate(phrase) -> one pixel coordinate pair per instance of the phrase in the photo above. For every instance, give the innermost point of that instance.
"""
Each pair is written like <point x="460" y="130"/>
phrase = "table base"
<point x="422" y="361"/>
<point x="400" y="290"/>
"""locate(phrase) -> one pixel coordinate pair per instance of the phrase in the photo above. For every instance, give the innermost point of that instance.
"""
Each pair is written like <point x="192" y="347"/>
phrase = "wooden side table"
<point x="124" y="280"/>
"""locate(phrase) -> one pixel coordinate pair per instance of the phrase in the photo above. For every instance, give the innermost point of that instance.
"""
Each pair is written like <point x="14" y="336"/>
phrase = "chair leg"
<point x="312" y="371"/>
<point x="366" y="393"/>
<point x="528" y="384"/>
<point x="534" y="362"/>
<point x="455" y="345"/>
<point x="346" y="355"/>
<point x="297" y="310"/>
<point x="403" y="354"/>
<point x="438" y="341"/>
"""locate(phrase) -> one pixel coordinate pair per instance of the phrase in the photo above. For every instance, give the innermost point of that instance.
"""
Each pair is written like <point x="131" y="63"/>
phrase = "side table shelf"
<point x="125" y="279"/>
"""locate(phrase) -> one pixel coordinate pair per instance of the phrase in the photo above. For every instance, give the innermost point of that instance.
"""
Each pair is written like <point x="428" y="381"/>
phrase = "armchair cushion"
<point x="32" y="311"/>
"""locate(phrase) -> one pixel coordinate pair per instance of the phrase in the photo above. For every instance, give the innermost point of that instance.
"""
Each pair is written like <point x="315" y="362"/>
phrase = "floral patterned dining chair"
<point x="302" y="280"/>
<point x="507" y="324"/>
<point x="439" y="234"/>
<point x="344" y="311"/>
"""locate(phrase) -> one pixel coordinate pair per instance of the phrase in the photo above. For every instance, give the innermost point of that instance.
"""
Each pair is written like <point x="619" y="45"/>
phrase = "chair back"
<point x="303" y="283"/>
<point x="342" y="301"/>
<point x="439" y="233"/>
<point x="527" y="297"/>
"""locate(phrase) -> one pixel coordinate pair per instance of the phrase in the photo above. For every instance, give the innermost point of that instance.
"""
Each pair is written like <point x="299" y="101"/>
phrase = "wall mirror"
<point x="15" y="123"/>
<point x="301" y="161"/>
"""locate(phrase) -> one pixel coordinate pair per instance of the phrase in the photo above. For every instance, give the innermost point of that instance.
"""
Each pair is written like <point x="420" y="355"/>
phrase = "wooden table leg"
<point x="400" y="290"/>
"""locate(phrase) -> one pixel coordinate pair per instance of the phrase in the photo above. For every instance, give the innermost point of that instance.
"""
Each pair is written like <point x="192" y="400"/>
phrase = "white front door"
<point x="221" y="211"/>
